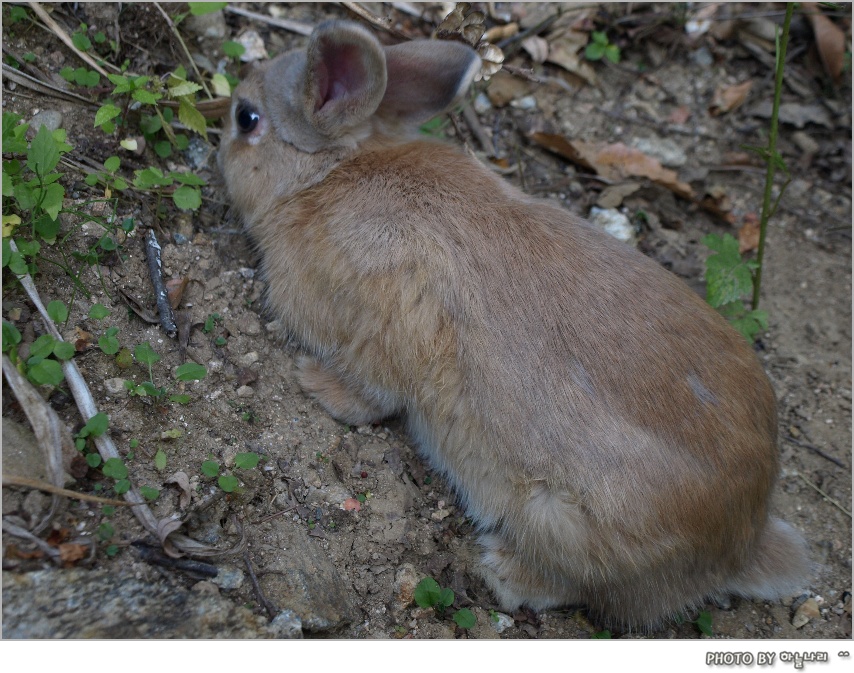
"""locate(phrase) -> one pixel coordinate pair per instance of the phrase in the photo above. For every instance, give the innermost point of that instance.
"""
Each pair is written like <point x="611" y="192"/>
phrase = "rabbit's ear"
<point x="425" y="78"/>
<point x="318" y="98"/>
<point x="345" y="76"/>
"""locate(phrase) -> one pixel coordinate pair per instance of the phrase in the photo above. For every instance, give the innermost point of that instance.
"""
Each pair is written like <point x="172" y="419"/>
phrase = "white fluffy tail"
<point x="780" y="567"/>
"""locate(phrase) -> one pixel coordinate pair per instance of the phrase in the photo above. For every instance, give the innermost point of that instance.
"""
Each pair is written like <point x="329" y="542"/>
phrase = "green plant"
<point x="599" y="46"/>
<point x="145" y="355"/>
<point x="728" y="277"/>
<point x="227" y="482"/>
<point x="429" y="594"/>
<point x="602" y="635"/>
<point x="41" y="360"/>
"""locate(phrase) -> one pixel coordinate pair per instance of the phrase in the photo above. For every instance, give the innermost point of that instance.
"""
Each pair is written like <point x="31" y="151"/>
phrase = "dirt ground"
<point x="348" y="571"/>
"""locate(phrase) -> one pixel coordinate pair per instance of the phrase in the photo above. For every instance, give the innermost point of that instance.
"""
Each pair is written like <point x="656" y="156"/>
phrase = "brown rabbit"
<point x="611" y="436"/>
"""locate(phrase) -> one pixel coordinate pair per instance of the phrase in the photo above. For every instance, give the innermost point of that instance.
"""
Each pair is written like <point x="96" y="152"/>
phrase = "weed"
<point x="602" y="635"/>
<point x="599" y="46"/>
<point x="429" y="594"/>
<point x="144" y="354"/>
<point x="227" y="482"/>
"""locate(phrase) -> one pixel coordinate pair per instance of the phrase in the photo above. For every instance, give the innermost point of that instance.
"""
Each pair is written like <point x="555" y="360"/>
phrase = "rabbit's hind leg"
<point x="345" y="400"/>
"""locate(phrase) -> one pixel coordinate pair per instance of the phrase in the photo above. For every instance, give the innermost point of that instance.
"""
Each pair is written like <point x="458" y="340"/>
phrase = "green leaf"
<point x="160" y="459"/>
<point x="145" y="354"/>
<point x="190" y="371"/>
<point x="599" y="37"/>
<point x="52" y="201"/>
<point x="105" y="113"/>
<point x="44" y="153"/>
<point x="124" y="359"/>
<point x="704" y="623"/>
<point x="115" y="468"/>
<point x="594" y="51"/>
<point x="187" y="198"/>
<point x="446" y="597"/>
<point x="427" y="593"/>
<point x="112" y="164"/>
<point x="233" y="49"/>
<point x="106" y="531"/>
<point x="192" y="118"/>
<point x="150" y="125"/>
<point x="11" y="336"/>
<point x="42" y="347"/>
<point x="200" y="8"/>
<point x="81" y="41"/>
<point x="179" y="88"/>
<point x="95" y="426"/>
<point x="149" y="493"/>
<point x="228" y="483"/>
<point x="122" y="486"/>
<point x="210" y="468"/>
<point x="602" y="635"/>
<point x="179" y="399"/>
<point x="151" y="177"/>
<point x="612" y="53"/>
<point x="465" y="618"/>
<point x="728" y="277"/>
<point x="108" y="343"/>
<point x="146" y="97"/>
<point x="163" y="149"/>
<point x="57" y="311"/>
<point x="47" y="227"/>
<point x="246" y="461"/>
<point x="98" y="312"/>
<point x="46" y="372"/>
<point x="93" y="460"/>
<point x="63" y="350"/>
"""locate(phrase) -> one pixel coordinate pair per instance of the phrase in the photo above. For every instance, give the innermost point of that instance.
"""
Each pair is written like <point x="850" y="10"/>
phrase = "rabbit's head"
<point x="296" y="117"/>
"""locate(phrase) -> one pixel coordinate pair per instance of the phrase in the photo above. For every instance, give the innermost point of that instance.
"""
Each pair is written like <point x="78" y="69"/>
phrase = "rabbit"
<point x="610" y="435"/>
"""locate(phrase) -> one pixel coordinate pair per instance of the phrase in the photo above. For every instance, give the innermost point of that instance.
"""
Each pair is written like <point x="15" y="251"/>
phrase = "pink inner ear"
<point x="340" y="73"/>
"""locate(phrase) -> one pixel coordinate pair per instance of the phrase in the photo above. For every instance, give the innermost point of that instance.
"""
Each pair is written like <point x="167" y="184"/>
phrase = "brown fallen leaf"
<point x="748" y="235"/>
<point x="728" y="98"/>
<point x="680" y="115"/>
<point x="71" y="552"/>
<point x="564" y="51"/>
<point x="614" y="162"/>
<point x="182" y="481"/>
<point x="717" y="202"/>
<point x="175" y="290"/>
<point x="830" y="40"/>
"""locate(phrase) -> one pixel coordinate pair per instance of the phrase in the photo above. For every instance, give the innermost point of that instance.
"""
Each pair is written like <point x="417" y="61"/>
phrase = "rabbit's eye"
<point x="247" y="117"/>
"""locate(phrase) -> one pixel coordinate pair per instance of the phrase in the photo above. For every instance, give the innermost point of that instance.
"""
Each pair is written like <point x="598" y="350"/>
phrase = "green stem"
<point x="771" y="158"/>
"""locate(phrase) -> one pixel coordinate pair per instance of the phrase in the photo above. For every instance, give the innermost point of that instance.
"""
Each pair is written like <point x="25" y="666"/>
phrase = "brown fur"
<point x="611" y="435"/>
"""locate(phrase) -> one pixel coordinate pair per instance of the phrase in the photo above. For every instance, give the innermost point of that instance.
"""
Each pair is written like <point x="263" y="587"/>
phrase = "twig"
<point x="62" y="35"/>
<point x="284" y="24"/>
<point x="45" y="88"/>
<point x="824" y="495"/>
<point x="24" y="534"/>
<point x="473" y="123"/>
<point x="12" y="480"/>
<point x="378" y="21"/>
<point x="815" y="450"/>
<point x="767" y="209"/>
<point x="269" y="607"/>
<point x="177" y="35"/>
<point x="155" y="271"/>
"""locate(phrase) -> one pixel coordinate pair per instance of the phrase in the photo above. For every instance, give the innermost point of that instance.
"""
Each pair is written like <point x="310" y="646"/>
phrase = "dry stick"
<point x="823" y="494"/>
<point x="62" y="35"/>
<point x="175" y="32"/>
<point x="24" y="534"/>
<point x="378" y="21"/>
<point x="815" y="450"/>
<point x="473" y="123"/>
<point x="292" y="26"/>
<point x="48" y="429"/>
<point x="269" y="607"/>
<point x="42" y="87"/>
<point x="12" y="480"/>
<point x="155" y="271"/>
<point x="87" y="407"/>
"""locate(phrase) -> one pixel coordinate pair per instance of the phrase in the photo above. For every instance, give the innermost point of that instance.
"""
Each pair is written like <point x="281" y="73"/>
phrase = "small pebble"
<point x="245" y="391"/>
<point x="808" y="610"/>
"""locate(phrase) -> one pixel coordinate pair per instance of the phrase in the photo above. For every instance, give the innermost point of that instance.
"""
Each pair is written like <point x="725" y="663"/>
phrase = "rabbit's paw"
<point x="344" y="402"/>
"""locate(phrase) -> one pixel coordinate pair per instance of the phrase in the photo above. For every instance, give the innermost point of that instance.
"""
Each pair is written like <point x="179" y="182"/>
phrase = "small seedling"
<point x="428" y="594"/>
<point x="599" y="46"/>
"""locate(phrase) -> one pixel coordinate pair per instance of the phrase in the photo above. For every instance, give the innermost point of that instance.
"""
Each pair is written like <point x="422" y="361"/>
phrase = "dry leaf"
<point x="728" y="98"/>
<point x="680" y="115"/>
<point x="182" y="481"/>
<point x="564" y="52"/>
<point x="165" y="527"/>
<point x="537" y="48"/>
<point x="748" y="235"/>
<point x="175" y="291"/>
<point x="504" y="88"/>
<point x="71" y="552"/>
<point x="830" y="40"/>
<point x="614" y="162"/>
<point x="717" y="202"/>
<point x="497" y="33"/>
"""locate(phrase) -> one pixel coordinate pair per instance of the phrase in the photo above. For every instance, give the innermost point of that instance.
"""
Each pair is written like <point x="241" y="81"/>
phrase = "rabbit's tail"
<point x="780" y="565"/>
